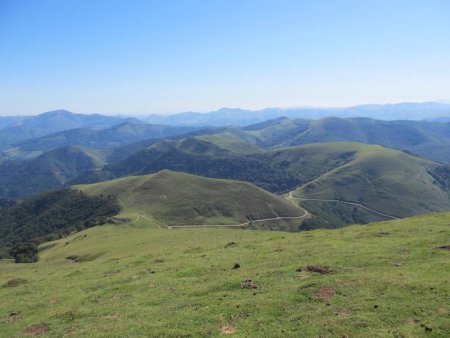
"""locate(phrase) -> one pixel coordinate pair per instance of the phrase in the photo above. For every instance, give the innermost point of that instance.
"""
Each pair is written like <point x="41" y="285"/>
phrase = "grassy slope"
<point x="171" y="198"/>
<point x="384" y="179"/>
<point x="389" y="279"/>
<point x="429" y="140"/>
<point x="231" y="143"/>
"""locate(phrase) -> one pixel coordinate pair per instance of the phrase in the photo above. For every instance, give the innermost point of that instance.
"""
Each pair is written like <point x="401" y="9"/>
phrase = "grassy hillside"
<point x="172" y="198"/>
<point x="380" y="178"/>
<point x="386" y="280"/>
<point x="430" y="140"/>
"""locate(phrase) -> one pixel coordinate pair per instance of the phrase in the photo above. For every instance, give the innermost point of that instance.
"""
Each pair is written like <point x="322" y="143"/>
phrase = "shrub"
<point x="25" y="252"/>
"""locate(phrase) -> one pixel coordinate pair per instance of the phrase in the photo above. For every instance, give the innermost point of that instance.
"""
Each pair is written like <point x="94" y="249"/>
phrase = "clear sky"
<point x="136" y="57"/>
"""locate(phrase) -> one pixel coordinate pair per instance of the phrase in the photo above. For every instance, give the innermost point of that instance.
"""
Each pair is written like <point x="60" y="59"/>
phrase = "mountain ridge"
<point x="241" y="117"/>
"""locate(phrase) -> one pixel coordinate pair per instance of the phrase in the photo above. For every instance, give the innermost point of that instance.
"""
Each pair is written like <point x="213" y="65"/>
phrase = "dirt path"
<point x="412" y="179"/>
<point x="149" y="219"/>
<point x="306" y="214"/>
<point x="290" y="197"/>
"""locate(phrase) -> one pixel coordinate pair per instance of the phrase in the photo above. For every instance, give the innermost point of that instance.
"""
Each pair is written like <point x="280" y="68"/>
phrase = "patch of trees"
<point x="50" y="216"/>
<point x="7" y="202"/>
<point x="25" y="252"/>
<point x="442" y="175"/>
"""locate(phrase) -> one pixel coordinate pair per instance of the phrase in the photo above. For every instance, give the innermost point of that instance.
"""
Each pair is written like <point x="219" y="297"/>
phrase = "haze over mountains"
<point x="17" y="128"/>
<point x="241" y="117"/>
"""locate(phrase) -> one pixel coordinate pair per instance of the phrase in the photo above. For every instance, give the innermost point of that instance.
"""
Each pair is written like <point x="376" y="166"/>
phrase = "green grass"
<point x="172" y="198"/>
<point x="230" y="142"/>
<point x="389" y="279"/>
<point x="386" y="180"/>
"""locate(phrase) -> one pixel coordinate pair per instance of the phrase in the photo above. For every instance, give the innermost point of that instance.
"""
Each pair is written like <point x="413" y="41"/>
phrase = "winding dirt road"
<point x="343" y="202"/>
<point x="306" y="214"/>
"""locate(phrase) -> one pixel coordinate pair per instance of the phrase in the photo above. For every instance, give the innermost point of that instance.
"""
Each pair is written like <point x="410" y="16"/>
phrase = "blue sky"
<point x="137" y="57"/>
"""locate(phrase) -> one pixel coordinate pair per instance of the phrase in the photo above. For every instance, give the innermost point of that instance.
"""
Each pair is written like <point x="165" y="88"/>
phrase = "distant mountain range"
<point x="242" y="117"/>
<point x="17" y="128"/>
<point x="112" y="137"/>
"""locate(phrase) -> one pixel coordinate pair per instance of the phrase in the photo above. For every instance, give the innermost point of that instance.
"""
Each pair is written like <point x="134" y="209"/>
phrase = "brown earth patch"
<point x="113" y="317"/>
<point x="227" y="329"/>
<point x="319" y="269"/>
<point x="342" y="311"/>
<point x="37" y="329"/>
<point x="325" y="293"/>
<point x="248" y="284"/>
<point x="232" y="243"/>
<point x="15" y="282"/>
<point x="442" y="311"/>
<point x="303" y="277"/>
<point x="444" y="247"/>
<point x="14" y="317"/>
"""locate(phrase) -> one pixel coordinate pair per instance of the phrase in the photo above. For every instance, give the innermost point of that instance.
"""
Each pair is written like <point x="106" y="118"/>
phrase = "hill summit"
<point x="173" y="198"/>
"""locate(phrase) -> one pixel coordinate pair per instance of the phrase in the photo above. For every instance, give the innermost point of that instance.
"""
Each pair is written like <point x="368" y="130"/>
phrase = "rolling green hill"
<point x="171" y="198"/>
<point x="427" y="139"/>
<point x="160" y="200"/>
<point x="380" y="280"/>
<point x="381" y="183"/>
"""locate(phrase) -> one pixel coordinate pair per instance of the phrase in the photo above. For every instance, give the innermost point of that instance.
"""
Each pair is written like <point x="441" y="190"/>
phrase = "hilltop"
<point x="428" y="139"/>
<point x="173" y="198"/>
<point x="385" y="183"/>
<point x="163" y="199"/>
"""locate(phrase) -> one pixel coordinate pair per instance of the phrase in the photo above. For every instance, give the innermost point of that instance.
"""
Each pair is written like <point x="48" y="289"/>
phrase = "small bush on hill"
<point x="25" y="252"/>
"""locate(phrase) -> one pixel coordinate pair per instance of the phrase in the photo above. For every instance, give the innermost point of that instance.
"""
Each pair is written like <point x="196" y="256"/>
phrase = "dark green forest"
<point x="50" y="216"/>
